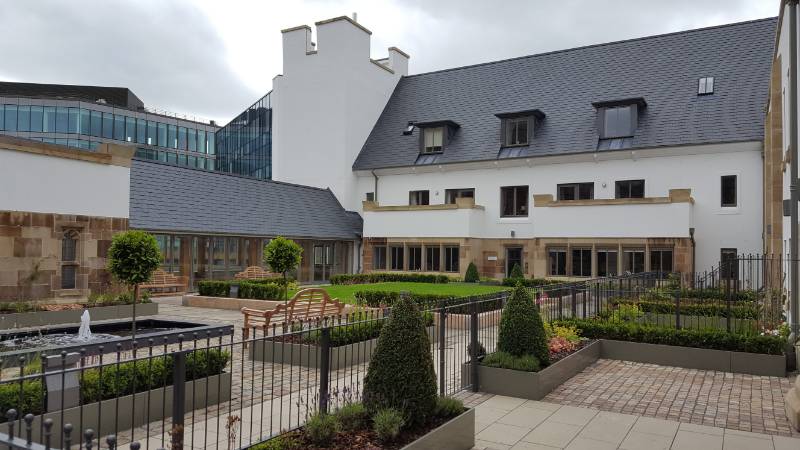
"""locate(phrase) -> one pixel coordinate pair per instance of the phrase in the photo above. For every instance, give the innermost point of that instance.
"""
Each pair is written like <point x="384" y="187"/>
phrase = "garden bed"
<point x="72" y="316"/>
<point x="532" y="385"/>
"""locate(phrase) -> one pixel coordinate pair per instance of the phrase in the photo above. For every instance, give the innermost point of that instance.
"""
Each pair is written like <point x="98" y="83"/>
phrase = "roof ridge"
<point x="602" y="44"/>
<point x="235" y="175"/>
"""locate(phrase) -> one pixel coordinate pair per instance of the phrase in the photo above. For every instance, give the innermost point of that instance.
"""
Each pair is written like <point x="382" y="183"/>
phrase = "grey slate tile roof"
<point x="664" y="70"/>
<point x="170" y="198"/>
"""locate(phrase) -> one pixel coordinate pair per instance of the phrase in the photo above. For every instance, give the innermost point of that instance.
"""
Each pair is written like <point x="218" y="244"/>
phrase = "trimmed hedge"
<point x="358" y="332"/>
<point x="460" y="305"/>
<point x="532" y="282"/>
<point x="387" y="277"/>
<point x="689" y="307"/>
<point x="710" y="339"/>
<point x="472" y="275"/>
<point x="521" y="328"/>
<point x="265" y="289"/>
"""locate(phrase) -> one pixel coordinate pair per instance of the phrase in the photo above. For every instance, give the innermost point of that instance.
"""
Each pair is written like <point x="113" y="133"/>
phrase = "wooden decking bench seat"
<point x="255" y="273"/>
<point x="163" y="283"/>
<point x="308" y="304"/>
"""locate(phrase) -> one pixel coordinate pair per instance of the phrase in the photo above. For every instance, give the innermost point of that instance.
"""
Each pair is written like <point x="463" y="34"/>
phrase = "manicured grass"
<point x="345" y="293"/>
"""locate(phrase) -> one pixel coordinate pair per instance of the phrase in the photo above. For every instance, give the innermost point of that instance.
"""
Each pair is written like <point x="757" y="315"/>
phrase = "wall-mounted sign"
<point x="491" y="258"/>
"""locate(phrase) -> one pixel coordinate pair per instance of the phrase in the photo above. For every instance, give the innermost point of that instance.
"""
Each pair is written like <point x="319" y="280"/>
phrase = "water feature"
<point x="85" y="332"/>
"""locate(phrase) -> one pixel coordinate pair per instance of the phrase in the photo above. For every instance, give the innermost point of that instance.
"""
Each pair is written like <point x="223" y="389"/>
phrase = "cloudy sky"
<point x="213" y="58"/>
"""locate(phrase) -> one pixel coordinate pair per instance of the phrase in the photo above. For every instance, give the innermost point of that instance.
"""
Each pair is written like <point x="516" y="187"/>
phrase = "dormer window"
<point x="705" y="86"/>
<point x="516" y="131"/>
<point x="433" y="139"/>
<point x="619" y="118"/>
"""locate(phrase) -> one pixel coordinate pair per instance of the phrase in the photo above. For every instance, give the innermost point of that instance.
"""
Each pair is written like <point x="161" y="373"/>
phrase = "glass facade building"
<point x="244" y="146"/>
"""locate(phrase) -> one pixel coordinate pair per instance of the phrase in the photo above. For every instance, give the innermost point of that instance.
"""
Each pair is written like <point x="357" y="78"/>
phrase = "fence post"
<point x="442" y="320"/>
<point x="728" y="306"/>
<point x="178" y="399"/>
<point x="474" y="345"/>
<point x="560" y="293"/>
<point x="324" y="368"/>
<point x="574" y="301"/>
<point x="678" y="310"/>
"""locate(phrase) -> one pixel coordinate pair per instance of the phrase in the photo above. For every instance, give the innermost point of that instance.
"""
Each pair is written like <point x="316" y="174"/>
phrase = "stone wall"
<point x="31" y="254"/>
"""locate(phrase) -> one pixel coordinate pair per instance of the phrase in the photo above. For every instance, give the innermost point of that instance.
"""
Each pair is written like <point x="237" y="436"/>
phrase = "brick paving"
<point x="733" y="401"/>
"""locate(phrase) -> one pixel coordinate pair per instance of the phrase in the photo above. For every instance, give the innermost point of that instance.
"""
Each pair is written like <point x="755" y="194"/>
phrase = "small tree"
<point x="516" y="272"/>
<point x="521" y="328"/>
<point x="472" y="275"/>
<point x="132" y="259"/>
<point x="400" y="373"/>
<point x="282" y="255"/>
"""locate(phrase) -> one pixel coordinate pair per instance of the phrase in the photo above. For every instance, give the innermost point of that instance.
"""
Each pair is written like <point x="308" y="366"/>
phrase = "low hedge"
<point x="258" y="289"/>
<point x="454" y="305"/>
<point x="710" y="339"/>
<point x="529" y="282"/>
<point x="117" y="380"/>
<point x="688" y="307"/>
<point x="387" y="277"/>
<point x="358" y="332"/>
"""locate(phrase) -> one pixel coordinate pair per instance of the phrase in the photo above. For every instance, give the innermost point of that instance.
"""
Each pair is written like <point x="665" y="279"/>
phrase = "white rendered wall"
<point x="715" y="227"/>
<point x="47" y="184"/>
<point x="325" y="104"/>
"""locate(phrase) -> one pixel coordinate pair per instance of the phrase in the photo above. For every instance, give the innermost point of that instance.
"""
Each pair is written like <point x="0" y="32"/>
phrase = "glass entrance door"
<point x="513" y="257"/>
<point x="323" y="261"/>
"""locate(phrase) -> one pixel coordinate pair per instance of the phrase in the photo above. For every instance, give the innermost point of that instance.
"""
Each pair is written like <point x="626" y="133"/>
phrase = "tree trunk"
<point x="135" y="299"/>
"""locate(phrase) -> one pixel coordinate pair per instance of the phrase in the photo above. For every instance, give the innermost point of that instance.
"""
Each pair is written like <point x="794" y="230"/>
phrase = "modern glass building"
<point x="86" y="116"/>
<point x="244" y="146"/>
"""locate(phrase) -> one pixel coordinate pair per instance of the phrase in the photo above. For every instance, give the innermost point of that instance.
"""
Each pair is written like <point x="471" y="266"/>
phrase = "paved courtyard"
<point x="701" y="397"/>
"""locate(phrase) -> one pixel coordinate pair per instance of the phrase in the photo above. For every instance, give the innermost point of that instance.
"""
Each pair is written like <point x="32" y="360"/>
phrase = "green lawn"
<point x="345" y="292"/>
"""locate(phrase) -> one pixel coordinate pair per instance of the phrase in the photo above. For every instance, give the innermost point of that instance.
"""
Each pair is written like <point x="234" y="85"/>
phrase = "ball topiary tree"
<point x="521" y="327"/>
<point x="282" y="255"/>
<point x="132" y="259"/>
<point x="400" y="373"/>
<point x="472" y="275"/>
<point x="516" y="272"/>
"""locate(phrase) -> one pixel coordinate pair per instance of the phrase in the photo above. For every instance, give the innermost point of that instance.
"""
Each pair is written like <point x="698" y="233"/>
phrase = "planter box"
<point x="47" y="318"/>
<point x="157" y="401"/>
<point x="696" y="358"/>
<point x="532" y="385"/>
<point x="307" y="355"/>
<point x="456" y="434"/>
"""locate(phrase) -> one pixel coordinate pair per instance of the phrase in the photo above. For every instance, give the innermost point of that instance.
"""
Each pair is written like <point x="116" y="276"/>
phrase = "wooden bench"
<point x="163" y="283"/>
<point x="255" y="273"/>
<point x="308" y="304"/>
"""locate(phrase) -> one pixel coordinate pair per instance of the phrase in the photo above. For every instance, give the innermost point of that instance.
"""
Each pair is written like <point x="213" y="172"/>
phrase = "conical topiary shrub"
<point x="521" y="328"/>
<point x="400" y="373"/>
<point x="472" y="274"/>
<point x="516" y="272"/>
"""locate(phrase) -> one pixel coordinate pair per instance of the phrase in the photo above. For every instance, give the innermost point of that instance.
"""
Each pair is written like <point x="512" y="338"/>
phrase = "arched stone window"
<point x="69" y="259"/>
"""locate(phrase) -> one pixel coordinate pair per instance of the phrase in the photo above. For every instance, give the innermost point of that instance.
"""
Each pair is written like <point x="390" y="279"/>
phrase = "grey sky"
<point x="213" y="58"/>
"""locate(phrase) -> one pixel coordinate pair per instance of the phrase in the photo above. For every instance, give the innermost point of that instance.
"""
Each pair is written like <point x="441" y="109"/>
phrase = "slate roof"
<point x="664" y="70"/>
<point x="177" y="199"/>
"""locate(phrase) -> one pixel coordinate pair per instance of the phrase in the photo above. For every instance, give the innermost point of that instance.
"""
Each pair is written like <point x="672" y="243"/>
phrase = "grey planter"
<point x="306" y="355"/>
<point x="532" y="385"/>
<point x="695" y="358"/>
<point x="47" y="318"/>
<point x="131" y="412"/>
<point x="456" y="434"/>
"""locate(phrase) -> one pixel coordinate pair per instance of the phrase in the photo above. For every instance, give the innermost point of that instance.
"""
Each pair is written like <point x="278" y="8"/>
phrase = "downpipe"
<point x="794" y="248"/>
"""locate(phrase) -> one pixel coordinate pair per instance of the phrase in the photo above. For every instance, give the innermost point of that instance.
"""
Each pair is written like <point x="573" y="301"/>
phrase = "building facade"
<point x="244" y="146"/>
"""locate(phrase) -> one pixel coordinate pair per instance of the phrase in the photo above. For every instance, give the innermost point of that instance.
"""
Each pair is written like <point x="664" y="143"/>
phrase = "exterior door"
<point x="513" y="256"/>
<point x="323" y="261"/>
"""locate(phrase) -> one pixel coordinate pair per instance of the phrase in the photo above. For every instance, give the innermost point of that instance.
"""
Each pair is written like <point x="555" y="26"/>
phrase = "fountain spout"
<point x="84" y="332"/>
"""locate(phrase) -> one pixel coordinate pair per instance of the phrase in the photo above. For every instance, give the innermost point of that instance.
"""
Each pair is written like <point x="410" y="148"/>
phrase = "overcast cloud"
<point x="213" y="58"/>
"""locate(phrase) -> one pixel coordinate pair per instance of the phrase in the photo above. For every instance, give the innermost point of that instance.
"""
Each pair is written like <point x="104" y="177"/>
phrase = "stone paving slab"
<point x="516" y="424"/>
<point x="741" y="402"/>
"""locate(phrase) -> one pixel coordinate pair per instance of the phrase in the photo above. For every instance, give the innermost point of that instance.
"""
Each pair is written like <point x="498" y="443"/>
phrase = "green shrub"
<point x="503" y="360"/>
<point x="447" y="407"/>
<point x="400" y="373"/>
<point x="376" y="299"/>
<point x="521" y="328"/>
<point x="472" y="275"/>
<point x="320" y="429"/>
<point x="125" y="298"/>
<point x="122" y="379"/>
<point x="516" y="272"/>
<point x="19" y="307"/>
<point x="532" y="282"/>
<point x="387" y="277"/>
<point x="32" y="398"/>
<point x="260" y="291"/>
<point x="214" y="288"/>
<point x="368" y="328"/>
<point x="695" y="307"/>
<point x="711" y="339"/>
<point x="479" y="352"/>
<point x="353" y="416"/>
<point x="282" y="442"/>
<point x="387" y="424"/>
<point x="626" y="312"/>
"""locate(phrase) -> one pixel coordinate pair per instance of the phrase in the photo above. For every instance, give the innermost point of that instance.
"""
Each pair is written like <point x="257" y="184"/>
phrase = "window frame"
<point x="515" y="206"/>
<point x="419" y="198"/>
<point x="379" y="257"/>
<point x="424" y="149"/>
<point x="414" y="258"/>
<point x="661" y="253"/>
<point x="613" y="114"/>
<point x="576" y="187"/>
<point x="510" y="122"/>
<point x="728" y="272"/>
<point x="705" y="86"/>
<point x="433" y="258"/>
<point x="722" y="202"/>
<point x="629" y="253"/>
<point x="582" y="258"/>
<point x="452" y="265"/>
<point x="560" y="261"/>
<point x="396" y="255"/>
<point x="627" y="185"/>
<point x="454" y="194"/>
<point x="607" y="269"/>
